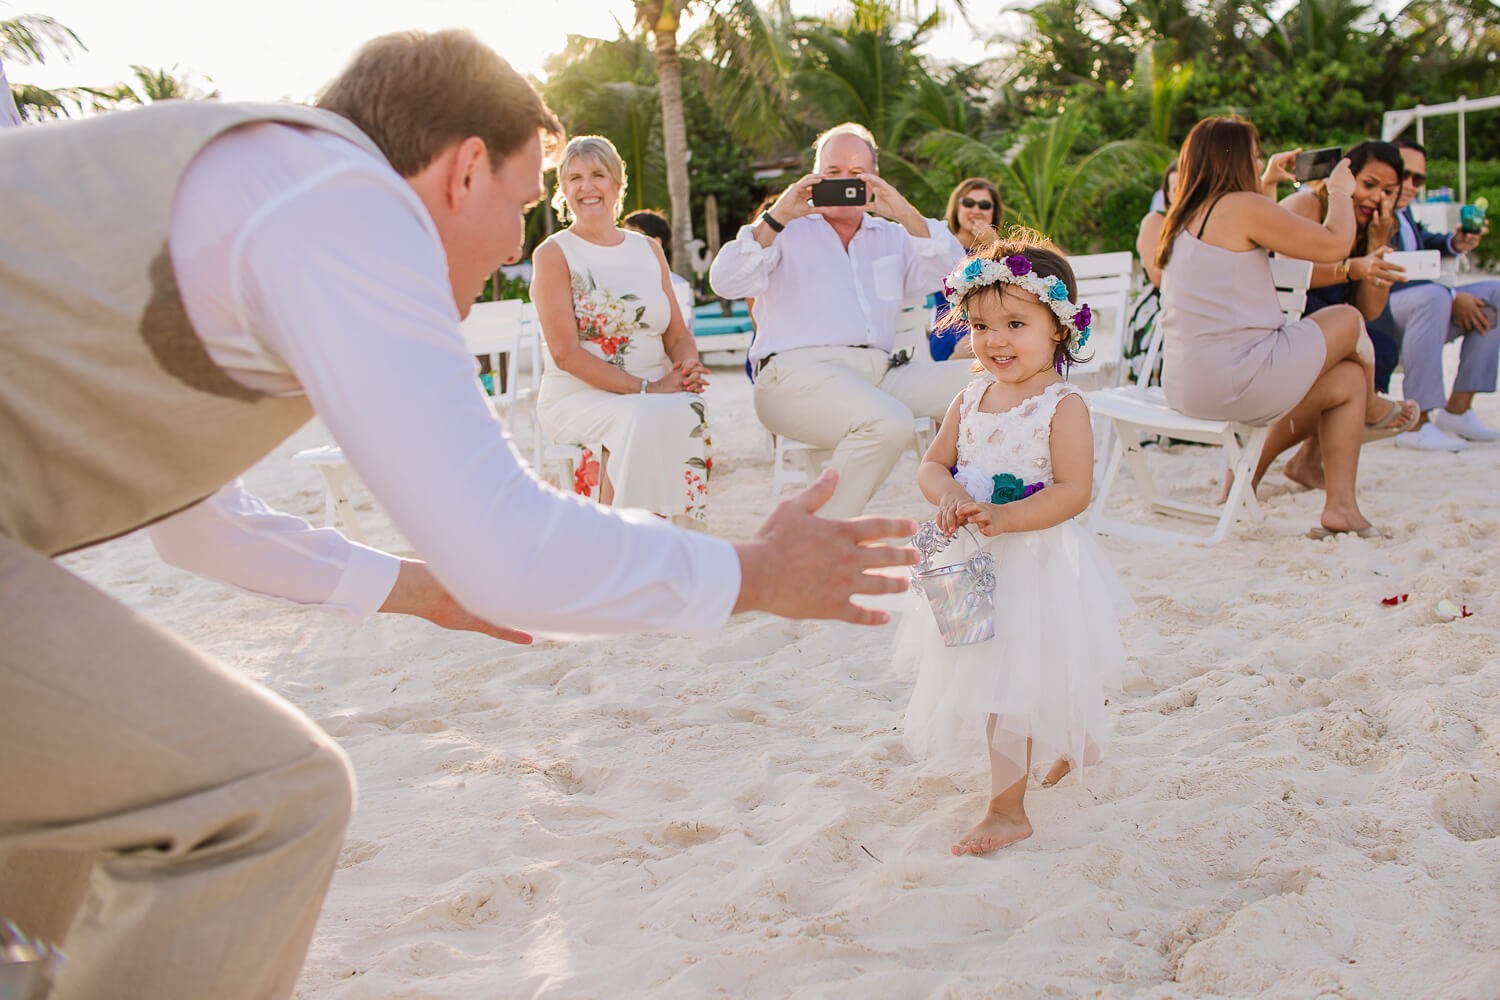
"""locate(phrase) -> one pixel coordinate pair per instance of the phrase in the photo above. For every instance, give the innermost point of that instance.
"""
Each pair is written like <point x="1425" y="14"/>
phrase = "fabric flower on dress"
<point x="1009" y="488"/>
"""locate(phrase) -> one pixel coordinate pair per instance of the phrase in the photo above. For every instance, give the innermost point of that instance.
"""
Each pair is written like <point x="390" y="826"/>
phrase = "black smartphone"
<point x="1315" y="164"/>
<point x="839" y="191"/>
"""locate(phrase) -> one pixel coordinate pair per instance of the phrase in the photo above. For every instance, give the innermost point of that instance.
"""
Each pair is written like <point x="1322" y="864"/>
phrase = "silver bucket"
<point x="962" y="596"/>
<point x="27" y="965"/>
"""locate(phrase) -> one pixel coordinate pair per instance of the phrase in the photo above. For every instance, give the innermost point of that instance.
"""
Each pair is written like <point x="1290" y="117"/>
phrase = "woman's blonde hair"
<point x="604" y="153"/>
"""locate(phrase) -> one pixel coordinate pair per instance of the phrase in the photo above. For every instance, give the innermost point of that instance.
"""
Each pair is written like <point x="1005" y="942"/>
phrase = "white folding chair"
<point x="551" y="459"/>
<point x="492" y="330"/>
<point x="1137" y="413"/>
<point x="1104" y="282"/>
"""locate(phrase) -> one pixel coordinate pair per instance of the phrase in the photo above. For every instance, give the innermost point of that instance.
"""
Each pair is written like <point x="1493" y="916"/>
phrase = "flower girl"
<point x="1014" y="461"/>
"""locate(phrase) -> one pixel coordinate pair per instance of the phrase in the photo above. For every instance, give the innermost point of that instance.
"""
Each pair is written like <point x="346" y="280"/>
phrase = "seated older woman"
<point x="624" y="372"/>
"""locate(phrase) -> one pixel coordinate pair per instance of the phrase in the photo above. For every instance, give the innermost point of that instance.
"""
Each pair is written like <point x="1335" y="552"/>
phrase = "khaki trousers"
<point x="207" y="811"/>
<point x="848" y="400"/>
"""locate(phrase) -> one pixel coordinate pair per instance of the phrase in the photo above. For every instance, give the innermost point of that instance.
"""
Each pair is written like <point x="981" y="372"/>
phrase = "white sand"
<point x="1303" y="798"/>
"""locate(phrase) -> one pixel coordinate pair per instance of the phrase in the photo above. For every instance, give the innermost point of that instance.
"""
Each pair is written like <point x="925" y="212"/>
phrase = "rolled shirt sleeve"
<point x="236" y="538"/>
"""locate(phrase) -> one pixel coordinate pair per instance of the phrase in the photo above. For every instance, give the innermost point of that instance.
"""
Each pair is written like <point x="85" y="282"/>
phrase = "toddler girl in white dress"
<point x="1014" y="461"/>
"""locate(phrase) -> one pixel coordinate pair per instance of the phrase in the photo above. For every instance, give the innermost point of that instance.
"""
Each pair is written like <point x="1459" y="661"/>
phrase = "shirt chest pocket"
<point x="888" y="274"/>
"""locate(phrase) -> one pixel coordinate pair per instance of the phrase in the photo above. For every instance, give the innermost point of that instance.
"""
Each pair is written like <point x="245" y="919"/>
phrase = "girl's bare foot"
<point x="1057" y="772"/>
<point x="998" y="829"/>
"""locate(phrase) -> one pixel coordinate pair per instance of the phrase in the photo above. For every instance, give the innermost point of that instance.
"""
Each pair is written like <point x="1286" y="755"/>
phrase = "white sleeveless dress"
<point x="1056" y="649"/>
<point x="658" y="442"/>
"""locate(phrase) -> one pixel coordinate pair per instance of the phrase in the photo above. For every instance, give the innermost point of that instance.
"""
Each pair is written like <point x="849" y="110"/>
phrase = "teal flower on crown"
<point x="1007" y="488"/>
<point x="974" y="270"/>
<point x="1056" y="290"/>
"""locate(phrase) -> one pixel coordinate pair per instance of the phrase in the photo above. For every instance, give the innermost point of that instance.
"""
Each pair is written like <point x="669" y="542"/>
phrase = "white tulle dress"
<point x="1056" y="650"/>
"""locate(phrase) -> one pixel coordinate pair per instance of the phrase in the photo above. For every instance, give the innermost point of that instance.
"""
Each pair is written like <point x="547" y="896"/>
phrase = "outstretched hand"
<point x="799" y="565"/>
<point x="418" y="593"/>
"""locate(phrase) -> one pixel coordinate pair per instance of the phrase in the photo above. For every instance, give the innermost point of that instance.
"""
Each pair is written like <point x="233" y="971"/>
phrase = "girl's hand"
<point x="1374" y="269"/>
<point x="947" y="511"/>
<point x="1341" y="181"/>
<point x="984" y="516"/>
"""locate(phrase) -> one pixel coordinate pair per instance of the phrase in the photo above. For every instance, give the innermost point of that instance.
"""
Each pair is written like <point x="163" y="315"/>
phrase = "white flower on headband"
<point x="1017" y="270"/>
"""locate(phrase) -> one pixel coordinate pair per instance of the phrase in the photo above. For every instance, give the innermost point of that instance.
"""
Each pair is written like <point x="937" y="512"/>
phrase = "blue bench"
<point x="722" y="333"/>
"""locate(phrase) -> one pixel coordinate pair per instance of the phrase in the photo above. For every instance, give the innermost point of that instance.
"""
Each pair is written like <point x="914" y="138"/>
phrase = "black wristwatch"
<point x="771" y="221"/>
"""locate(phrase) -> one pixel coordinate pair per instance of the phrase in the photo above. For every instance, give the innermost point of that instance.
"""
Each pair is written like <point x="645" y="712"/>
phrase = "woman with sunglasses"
<point x="974" y="212"/>
<point x="973" y="217"/>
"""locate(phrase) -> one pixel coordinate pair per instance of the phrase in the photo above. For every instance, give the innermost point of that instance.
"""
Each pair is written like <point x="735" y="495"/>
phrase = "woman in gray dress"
<point x="1228" y="352"/>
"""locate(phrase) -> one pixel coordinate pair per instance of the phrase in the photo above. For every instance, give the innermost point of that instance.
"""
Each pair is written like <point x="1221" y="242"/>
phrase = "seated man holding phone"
<point x="829" y="265"/>
<point x="1429" y="315"/>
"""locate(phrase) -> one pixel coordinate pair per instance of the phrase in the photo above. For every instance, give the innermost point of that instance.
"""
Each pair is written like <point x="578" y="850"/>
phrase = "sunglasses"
<point x="983" y="206"/>
<point x="1418" y="179"/>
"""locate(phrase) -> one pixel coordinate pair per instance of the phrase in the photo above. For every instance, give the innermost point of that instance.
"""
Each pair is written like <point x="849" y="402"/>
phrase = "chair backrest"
<point x="1292" y="278"/>
<point x="912" y="324"/>
<point x="493" y="330"/>
<point x="1104" y="282"/>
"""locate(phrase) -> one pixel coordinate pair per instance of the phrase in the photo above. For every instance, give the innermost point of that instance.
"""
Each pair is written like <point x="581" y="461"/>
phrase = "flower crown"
<point x="1016" y="270"/>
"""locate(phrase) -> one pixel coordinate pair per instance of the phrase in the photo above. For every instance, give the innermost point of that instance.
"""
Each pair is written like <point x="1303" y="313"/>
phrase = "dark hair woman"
<point x="1362" y="278"/>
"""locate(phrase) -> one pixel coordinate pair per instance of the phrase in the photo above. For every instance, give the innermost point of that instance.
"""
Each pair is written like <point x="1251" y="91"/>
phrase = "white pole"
<point x="1463" y="157"/>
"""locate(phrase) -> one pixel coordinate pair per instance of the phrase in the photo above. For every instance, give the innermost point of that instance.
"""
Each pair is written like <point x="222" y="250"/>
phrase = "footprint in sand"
<point x="680" y="834"/>
<point x="1469" y="807"/>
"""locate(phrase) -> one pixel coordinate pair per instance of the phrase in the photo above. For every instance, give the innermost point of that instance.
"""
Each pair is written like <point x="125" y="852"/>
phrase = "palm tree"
<point x="609" y="88"/>
<point x="150" y="85"/>
<point x="27" y="39"/>
<point x="1046" y="180"/>
<point x="660" y="17"/>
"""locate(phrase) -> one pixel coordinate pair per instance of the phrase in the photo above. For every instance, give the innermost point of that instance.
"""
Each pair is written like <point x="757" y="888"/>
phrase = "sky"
<point x="287" y="49"/>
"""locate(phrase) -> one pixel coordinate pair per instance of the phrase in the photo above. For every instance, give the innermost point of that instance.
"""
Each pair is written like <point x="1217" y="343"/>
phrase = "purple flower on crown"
<point x="1018" y="265"/>
<point x="948" y="290"/>
<point x="1083" y="318"/>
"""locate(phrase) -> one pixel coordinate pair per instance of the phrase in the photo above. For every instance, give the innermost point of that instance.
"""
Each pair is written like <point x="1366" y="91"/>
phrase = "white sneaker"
<point x="1465" y="425"/>
<point x="1430" y="437"/>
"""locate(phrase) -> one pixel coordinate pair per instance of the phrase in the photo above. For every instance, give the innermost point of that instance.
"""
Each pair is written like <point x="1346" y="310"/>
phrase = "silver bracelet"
<point x="644" y="384"/>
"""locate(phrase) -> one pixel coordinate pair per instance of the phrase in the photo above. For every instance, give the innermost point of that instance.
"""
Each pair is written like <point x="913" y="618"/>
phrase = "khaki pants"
<point x="847" y="400"/>
<point x="207" y="811"/>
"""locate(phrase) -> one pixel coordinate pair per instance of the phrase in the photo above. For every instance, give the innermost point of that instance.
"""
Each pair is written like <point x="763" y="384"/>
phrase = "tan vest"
<point x="112" y="415"/>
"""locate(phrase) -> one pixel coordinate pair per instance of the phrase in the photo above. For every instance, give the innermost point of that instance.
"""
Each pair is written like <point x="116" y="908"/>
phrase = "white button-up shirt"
<point x="308" y="267"/>
<point x="810" y="293"/>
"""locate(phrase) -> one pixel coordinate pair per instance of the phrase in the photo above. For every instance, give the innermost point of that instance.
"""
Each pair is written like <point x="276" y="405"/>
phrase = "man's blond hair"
<point x="416" y="93"/>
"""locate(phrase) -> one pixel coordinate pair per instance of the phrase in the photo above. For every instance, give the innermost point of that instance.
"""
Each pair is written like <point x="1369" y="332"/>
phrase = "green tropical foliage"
<point x="1074" y="118"/>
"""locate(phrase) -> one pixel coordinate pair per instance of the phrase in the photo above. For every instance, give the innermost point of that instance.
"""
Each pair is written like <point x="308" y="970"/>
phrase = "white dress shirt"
<point x="308" y="267"/>
<point x="235" y="538"/>
<point x="810" y="293"/>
